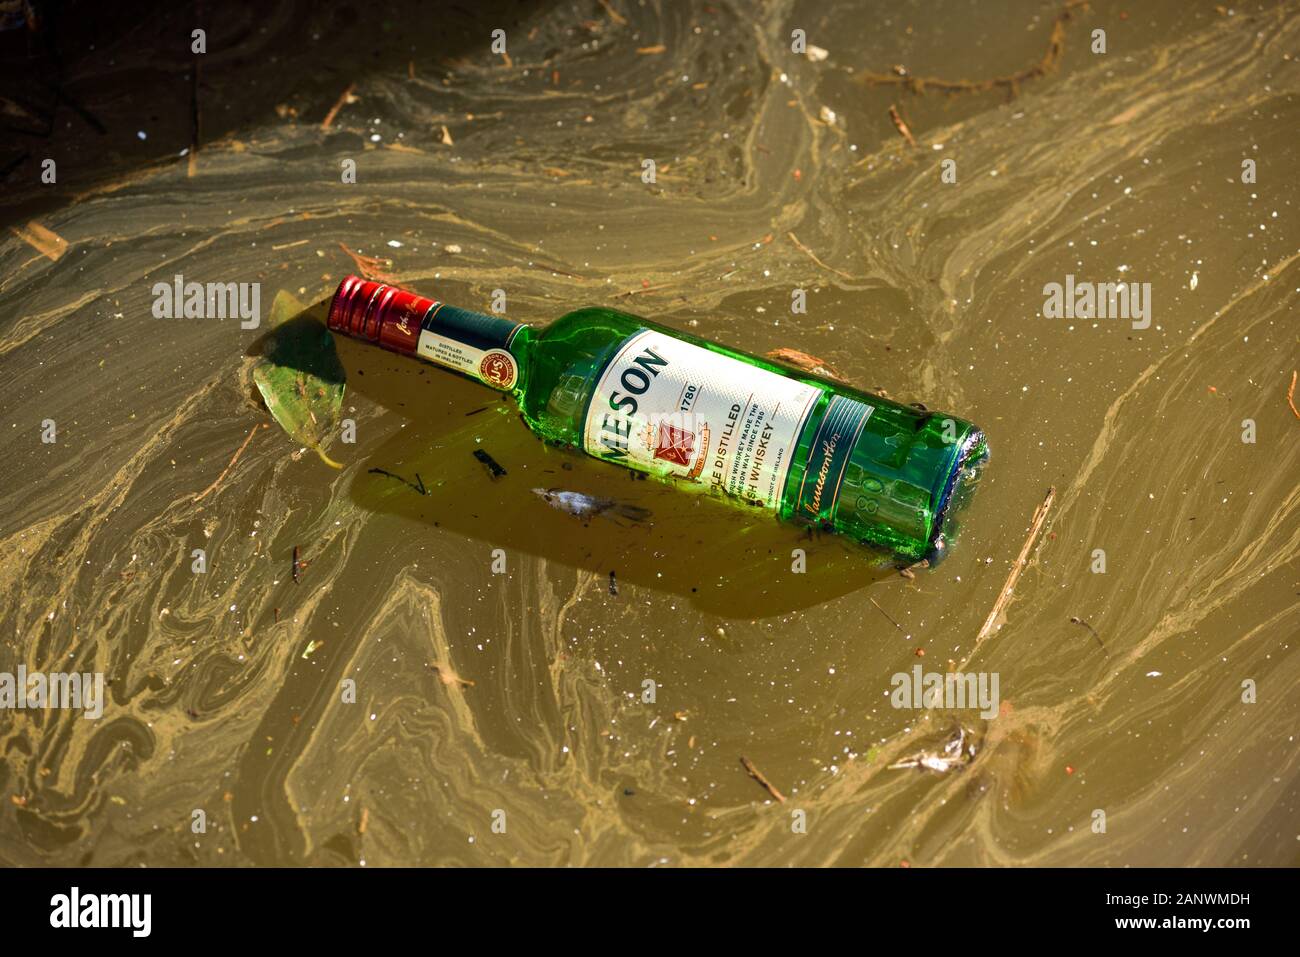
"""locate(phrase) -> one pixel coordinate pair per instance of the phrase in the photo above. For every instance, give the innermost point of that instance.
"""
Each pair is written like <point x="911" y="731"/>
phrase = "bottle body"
<point x="704" y="416"/>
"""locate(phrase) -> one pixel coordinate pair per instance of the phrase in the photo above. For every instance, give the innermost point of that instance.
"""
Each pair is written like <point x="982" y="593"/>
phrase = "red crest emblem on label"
<point x="497" y="368"/>
<point x="675" y="445"/>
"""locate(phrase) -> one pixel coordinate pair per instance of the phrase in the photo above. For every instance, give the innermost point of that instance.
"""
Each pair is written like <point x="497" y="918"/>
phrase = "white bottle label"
<point x="678" y="410"/>
<point x="469" y="342"/>
<point x="494" y="367"/>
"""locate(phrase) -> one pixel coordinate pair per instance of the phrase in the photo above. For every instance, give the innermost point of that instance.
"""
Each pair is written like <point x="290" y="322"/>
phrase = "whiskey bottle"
<point x="704" y="416"/>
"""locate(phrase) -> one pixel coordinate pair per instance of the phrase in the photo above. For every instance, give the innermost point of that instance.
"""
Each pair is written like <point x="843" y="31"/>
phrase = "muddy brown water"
<point x="1159" y="694"/>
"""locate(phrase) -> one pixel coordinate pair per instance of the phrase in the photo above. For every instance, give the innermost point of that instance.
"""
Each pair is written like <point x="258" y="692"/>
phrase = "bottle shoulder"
<point x="589" y="322"/>
<point x="563" y="361"/>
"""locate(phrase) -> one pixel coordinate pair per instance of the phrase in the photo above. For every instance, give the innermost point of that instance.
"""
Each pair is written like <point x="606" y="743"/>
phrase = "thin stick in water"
<point x="346" y="98"/>
<point x="233" y="460"/>
<point x="813" y="256"/>
<point x="757" y="775"/>
<point x="885" y="613"/>
<point x="1035" y="527"/>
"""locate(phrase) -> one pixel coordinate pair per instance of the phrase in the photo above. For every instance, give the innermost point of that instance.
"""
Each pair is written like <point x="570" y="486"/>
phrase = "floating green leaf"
<point x="300" y="376"/>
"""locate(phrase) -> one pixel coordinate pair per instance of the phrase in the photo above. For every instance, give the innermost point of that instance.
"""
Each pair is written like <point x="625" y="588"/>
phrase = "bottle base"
<point x="956" y="494"/>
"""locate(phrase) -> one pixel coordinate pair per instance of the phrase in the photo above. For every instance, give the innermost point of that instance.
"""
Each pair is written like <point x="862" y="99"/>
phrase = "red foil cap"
<point x="377" y="312"/>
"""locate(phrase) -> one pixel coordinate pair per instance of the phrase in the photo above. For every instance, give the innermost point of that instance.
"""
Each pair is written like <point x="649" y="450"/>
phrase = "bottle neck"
<point x="471" y="343"/>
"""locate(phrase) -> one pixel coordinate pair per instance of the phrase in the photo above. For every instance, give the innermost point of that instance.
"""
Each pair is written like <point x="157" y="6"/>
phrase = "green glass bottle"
<point x="701" y="415"/>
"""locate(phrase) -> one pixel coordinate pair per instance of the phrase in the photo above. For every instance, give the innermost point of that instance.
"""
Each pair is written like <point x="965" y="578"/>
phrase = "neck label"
<point x="470" y="343"/>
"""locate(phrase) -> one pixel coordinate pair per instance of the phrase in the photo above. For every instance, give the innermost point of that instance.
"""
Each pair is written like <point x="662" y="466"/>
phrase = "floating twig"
<point x="1011" y="83"/>
<point x="813" y="256"/>
<point x="1035" y="527"/>
<point x="804" y="361"/>
<point x="901" y="126"/>
<point x="556" y="269"/>
<point x="417" y="485"/>
<point x="613" y="14"/>
<point x="297" y="563"/>
<point x="342" y="101"/>
<point x="885" y="613"/>
<point x="757" y="775"/>
<point x="372" y="267"/>
<point x="1290" y="396"/>
<point x="645" y="287"/>
<point x="233" y="459"/>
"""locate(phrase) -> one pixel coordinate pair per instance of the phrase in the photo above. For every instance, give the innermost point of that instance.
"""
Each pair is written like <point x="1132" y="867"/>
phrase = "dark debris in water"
<point x="495" y="469"/>
<point x="1079" y="621"/>
<point x="417" y="485"/>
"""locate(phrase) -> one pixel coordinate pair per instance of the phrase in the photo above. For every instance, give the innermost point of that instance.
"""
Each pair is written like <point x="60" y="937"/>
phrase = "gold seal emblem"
<point x="498" y="369"/>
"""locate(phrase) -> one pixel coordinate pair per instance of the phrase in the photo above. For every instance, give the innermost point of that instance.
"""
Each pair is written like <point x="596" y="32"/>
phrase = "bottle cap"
<point x="378" y="312"/>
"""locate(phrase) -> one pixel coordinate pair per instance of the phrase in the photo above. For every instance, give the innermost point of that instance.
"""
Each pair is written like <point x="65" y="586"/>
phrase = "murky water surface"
<point x="1120" y="692"/>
